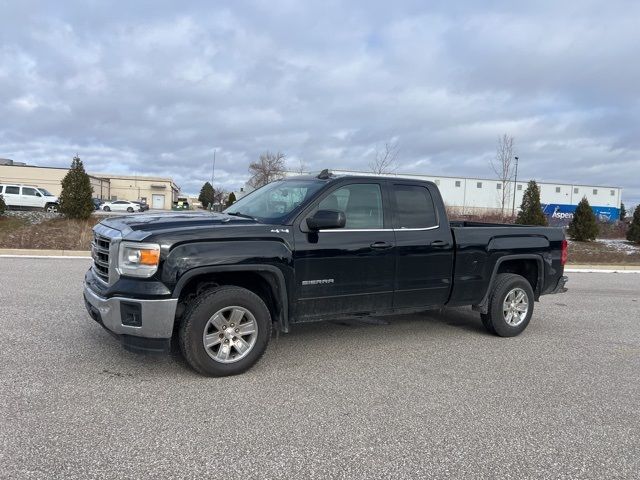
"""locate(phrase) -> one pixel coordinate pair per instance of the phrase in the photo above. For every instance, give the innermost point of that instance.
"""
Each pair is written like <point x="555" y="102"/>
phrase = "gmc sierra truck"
<point x="304" y="249"/>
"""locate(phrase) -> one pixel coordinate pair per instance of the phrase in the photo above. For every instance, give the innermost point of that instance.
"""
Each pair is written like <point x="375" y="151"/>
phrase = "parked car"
<point x="97" y="203"/>
<point x="143" y="206"/>
<point x="181" y="203"/>
<point x="121" y="206"/>
<point x="310" y="248"/>
<point x="27" y="197"/>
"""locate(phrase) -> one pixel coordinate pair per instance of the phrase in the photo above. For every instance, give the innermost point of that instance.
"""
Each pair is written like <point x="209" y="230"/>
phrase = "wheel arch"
<point x="529" y="266"/>
<point x="266" y="281"/>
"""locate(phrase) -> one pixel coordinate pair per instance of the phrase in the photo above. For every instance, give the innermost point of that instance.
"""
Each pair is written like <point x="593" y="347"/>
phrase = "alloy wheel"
<point x="230" y="334"/>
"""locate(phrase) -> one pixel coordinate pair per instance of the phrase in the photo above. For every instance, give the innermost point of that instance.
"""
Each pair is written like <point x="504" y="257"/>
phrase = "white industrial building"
<point x="471" y="195"/>
<point x="476" y="195"/>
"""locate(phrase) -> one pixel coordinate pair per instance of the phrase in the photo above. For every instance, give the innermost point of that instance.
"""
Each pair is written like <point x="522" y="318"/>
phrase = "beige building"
<point x="158" y="192"/>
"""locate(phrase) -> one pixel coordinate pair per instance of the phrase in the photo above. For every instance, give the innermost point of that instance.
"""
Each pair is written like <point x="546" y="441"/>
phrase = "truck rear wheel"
<point x="225" y="331"/>
<point x="510" y="305"/>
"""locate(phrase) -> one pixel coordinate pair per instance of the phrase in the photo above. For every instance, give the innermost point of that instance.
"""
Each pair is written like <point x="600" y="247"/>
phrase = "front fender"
<point x="272" y="260"/>
<point x="186" y="257"/>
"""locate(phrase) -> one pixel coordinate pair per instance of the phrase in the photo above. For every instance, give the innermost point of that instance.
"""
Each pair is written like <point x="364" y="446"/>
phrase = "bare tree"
<point x="385" y="160"/>
<point x="503" y="168"/>
<point x="301" y="167"/>
<point x="220" y="196"/>
<point x="269" y="167"/>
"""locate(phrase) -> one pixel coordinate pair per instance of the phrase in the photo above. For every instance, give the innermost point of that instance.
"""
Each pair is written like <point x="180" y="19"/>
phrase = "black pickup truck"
<point x="304" y="249"/>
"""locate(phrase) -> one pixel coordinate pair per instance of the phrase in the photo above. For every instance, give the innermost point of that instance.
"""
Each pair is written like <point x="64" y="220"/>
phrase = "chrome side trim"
<point x="415" y="229"/>
<point x="357" y="230"/>
<point x="379" y="229"/>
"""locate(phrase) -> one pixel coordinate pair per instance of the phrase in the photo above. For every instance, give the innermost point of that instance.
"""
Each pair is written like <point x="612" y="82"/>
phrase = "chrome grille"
<point x="100" y="253"/>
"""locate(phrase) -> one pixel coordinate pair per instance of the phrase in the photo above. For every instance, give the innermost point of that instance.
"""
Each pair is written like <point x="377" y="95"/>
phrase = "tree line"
<point x="76" y="197"/>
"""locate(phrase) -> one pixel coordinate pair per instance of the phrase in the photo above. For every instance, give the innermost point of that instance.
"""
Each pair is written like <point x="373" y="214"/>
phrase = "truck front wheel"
<point x="225" y="331"/>
<point x="510" y="305"/>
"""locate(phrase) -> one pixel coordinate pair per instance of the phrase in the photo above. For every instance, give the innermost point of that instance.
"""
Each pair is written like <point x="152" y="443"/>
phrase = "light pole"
<point x="515" y="188"/>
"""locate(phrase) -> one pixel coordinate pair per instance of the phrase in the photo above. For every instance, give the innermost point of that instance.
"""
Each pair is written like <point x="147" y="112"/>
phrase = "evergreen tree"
<point x="231" y="200"/>
<point x="530" y="210"/>
<point x="623" y="212"/>
<point x="207" y="195"/>
<point x="583" y="226"/>
<point x="633" y="235"/>
<point x="76" y="197"/>
<point x="3" y="206"/>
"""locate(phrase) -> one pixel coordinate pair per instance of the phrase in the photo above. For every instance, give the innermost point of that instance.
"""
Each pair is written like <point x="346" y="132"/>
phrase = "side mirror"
<point x="326" y="219"/>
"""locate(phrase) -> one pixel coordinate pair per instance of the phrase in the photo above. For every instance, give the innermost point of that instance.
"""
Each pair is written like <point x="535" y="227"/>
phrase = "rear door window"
<point x="12" y="190"/>
<point x="414" y="207"/>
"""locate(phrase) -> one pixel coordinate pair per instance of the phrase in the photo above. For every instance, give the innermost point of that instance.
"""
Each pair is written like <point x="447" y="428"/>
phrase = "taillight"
<point x="565" y="252"/>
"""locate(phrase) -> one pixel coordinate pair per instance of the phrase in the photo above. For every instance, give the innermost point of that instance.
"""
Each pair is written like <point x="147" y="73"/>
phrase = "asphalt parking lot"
<point x="424" y="396"/>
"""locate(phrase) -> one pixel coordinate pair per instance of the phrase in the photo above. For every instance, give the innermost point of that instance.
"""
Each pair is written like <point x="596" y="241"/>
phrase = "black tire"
<point x="106" y="209"/>
<point x="51" y="208"/>
<point x="130" y="209"/>
<point x="494" y="320"/>
<point x="197" y="317"/>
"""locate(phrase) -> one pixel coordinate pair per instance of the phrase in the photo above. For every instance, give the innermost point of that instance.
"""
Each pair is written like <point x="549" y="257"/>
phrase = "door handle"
<point x="439" y="243"/>
<point x="380" y="245"/>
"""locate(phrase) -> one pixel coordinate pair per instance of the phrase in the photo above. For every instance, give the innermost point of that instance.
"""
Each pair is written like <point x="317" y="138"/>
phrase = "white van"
<point x="25" y="197"/>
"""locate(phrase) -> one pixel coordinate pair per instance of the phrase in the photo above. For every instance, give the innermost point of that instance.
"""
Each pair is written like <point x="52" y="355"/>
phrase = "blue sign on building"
<point x="559" y="214"/>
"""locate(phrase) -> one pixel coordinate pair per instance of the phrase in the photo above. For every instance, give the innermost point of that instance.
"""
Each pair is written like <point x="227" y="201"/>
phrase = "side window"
<point x="414" y="207"/>
<point x="361" y="204"/>
<point x="29" y="191"/>
<point x="12" y="190"/>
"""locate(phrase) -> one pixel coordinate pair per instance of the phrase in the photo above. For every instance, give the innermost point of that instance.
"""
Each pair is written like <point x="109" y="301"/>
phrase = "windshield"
<point x="45" y="192"/>
<point x="273" y="202"/>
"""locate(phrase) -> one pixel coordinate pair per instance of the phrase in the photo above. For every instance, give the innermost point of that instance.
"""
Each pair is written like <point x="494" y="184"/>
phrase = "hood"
<point x="152" y="223"/>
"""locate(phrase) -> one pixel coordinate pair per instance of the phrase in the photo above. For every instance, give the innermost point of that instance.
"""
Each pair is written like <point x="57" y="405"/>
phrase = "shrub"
<point x="76" y="197"/>
<point x="231" y="200"/>
<point x="3" y="206"/>
<point x="633" y="235"/>
<point x="583" y="226"/>
<point x="207" y="194"/>
<point x="612" y="229"/>
<point x="530" y="210"/>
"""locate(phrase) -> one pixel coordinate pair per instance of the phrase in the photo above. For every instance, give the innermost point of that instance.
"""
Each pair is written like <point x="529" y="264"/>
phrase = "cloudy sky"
<point x="155" y="87"/>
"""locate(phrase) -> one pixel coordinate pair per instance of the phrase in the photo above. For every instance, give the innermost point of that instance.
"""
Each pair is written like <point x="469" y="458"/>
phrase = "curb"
<point x="602" y="270"/>
<point x="36" y="253"/>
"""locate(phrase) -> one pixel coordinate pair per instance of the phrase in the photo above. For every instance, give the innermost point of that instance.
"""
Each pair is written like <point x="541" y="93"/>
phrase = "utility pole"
<point x="213" y="175"/>
<point x="515" y="189"/>
<point x="213" y="167"/>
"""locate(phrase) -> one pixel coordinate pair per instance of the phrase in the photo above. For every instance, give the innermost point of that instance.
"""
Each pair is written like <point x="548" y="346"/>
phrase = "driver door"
<point x="349" y="269"/>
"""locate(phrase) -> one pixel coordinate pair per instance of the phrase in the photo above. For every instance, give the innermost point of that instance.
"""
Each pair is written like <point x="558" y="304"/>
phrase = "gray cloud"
<point x="154" y="88"/>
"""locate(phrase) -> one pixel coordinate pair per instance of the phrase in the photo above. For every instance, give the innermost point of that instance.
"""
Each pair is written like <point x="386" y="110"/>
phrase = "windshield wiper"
<point x="243" y="215"/>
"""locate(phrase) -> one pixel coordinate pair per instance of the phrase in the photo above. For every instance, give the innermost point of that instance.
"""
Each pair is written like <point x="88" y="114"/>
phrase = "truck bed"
<point x="482" y="248"/>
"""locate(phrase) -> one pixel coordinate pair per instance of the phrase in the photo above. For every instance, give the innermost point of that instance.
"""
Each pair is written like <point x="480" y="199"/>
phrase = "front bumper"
<point x="154" y="319"/>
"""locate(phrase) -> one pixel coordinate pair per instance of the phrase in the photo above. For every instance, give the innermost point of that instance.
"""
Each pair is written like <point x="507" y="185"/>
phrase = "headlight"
<point x="138" y="259"/>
